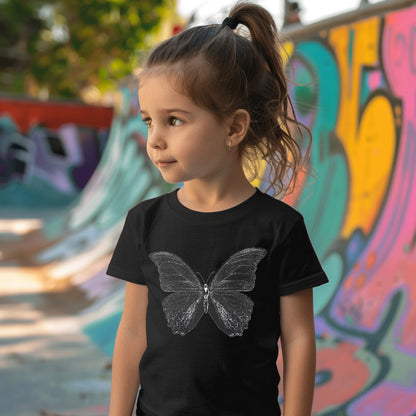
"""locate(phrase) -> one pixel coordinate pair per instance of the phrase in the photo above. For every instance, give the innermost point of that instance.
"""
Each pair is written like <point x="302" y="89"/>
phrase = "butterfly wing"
<point x="230" y="309"/>
<point x="183" y="311"/>
<point x="183" y="308"/>
<point x="174" y="274"/>
<point x="239" y="271"/>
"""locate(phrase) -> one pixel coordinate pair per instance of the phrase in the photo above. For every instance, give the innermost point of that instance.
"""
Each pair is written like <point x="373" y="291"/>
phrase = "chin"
<point x="173" y="180"/>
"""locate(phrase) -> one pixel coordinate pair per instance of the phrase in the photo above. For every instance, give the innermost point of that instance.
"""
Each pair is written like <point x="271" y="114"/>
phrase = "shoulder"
<point x="146" y="207"/>
<point x="142" y="215"/>
<point x="278" y="216"/>
<point x="278" y="209"/>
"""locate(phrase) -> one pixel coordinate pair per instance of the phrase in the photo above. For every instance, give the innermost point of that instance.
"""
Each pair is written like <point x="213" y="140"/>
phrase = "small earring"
<point x="229" y="145"/>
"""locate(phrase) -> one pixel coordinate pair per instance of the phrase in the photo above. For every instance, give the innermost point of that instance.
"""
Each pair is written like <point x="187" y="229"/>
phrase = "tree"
<point x="21" y="28"/>
<point x="67" y="45"/>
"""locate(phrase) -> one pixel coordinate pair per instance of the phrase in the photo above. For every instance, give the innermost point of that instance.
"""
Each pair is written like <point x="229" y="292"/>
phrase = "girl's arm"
<point x="128" y="350"/>
<point x="299" y="352"/>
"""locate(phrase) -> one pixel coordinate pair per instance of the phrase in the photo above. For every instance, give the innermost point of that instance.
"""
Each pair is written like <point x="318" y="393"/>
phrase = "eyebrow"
<point x="169" y="110"/>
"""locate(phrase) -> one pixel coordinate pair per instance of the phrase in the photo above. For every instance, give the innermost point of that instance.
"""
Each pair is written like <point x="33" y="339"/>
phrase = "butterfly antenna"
<point x="210" y="275"/>
<point x="200" y="276"/>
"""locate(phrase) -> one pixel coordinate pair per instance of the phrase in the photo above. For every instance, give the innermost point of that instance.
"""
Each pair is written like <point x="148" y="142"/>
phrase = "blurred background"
<point x="73" y="161"/>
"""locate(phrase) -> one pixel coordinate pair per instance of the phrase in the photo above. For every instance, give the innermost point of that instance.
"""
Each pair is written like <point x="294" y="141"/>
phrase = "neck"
<point x="218" y="195"/>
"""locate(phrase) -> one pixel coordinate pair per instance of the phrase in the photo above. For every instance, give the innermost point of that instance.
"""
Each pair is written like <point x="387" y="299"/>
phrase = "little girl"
<point x="217" y="270"/>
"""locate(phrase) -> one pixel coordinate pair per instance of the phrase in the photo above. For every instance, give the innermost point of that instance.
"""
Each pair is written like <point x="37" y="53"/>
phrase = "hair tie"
<point x="231" y="22"/>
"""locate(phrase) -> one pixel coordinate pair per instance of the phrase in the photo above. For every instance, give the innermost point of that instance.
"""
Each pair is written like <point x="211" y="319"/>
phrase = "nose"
<point x="155" y="138"/>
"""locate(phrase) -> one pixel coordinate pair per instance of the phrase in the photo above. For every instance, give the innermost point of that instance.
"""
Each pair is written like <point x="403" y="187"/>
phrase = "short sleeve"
<point x="298" y="265"/>
<point x="125" y="262"/>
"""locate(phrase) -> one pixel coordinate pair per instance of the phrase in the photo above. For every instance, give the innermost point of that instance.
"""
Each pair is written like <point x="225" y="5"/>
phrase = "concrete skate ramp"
<point x="357" y="76"/>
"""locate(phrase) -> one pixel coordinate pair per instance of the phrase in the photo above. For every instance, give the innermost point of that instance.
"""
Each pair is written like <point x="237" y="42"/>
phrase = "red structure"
<point x="53" y="114"/>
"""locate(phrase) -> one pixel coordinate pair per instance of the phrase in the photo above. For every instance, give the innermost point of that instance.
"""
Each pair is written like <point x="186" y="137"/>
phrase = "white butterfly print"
<point x="220" y="298"/>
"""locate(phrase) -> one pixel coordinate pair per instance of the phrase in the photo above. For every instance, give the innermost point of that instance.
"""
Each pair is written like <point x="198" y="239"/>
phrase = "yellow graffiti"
<point x="369" y="139"/>
<point x="287" y="51"/>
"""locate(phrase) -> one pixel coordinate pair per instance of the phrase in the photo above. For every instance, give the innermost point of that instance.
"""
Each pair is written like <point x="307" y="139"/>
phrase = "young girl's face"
<point x="185" y="141"/>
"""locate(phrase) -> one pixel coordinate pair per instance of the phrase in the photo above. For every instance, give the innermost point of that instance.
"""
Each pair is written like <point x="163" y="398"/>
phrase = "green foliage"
<point x="20" y="28"/>
<point x="66" y="45"/>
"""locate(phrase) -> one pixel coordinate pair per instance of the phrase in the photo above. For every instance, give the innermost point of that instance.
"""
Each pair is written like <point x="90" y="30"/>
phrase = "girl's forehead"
<point x="157" y="83"/>
<point x="149" y="77"/>
<point x="161" y="81"/>
<point x="157" y="92"/>
<point x="193" y="80"/>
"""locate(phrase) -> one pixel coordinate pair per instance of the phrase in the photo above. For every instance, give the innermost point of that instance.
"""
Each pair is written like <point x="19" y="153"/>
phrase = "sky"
<point x="213" y="11"/>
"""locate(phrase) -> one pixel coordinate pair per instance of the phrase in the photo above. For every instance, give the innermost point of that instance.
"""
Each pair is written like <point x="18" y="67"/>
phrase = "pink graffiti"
<point x="379" y="400"/>
<point x="388" y="263"/>
<point x="348" y="375"/>
<point x="374" y="80"/>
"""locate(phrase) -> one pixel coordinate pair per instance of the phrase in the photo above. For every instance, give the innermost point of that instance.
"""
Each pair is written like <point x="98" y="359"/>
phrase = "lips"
<point x="163" y="163"/>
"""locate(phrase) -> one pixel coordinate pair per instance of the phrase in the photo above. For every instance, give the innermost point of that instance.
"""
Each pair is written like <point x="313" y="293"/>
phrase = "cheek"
<point x="148" y="150"/>
<point x="186" y="145"/>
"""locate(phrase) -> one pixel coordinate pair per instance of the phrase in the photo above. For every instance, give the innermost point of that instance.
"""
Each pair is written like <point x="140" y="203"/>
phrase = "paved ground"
<point x="48" y="367"/>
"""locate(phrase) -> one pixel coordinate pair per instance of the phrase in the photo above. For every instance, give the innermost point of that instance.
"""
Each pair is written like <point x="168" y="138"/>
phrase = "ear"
<point x="238" y="124"/>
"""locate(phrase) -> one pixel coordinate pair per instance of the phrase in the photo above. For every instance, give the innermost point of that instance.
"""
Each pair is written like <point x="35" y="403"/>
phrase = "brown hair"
<point x="222" y="71"/>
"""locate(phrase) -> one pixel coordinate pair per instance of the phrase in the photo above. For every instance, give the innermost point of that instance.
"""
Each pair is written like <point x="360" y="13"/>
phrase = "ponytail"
<point x="263" y="32"/>
<point x="275" y="131"/>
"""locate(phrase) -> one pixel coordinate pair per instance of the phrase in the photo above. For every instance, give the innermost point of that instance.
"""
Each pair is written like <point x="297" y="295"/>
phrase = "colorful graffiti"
<point x="74" y="245"/>
<point x="357" y="94"/>
<point x="48" y="151"/>
<point x="355" y="88"/>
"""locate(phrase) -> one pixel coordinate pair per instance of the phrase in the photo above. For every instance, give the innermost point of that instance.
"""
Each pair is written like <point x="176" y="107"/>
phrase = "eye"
<point x="147" y="121"/>
<point x="175" y="122"/>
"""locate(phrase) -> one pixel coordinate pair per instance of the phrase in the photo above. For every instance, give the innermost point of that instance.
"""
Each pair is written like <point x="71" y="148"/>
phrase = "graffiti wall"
<point x="48" y="151"/>
<point x="355" y="87"/>
<point x="358" y="95"/>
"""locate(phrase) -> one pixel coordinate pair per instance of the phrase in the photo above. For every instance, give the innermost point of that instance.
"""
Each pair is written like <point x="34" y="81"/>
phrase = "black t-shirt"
<point x="214" y="282"/>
